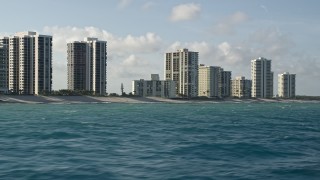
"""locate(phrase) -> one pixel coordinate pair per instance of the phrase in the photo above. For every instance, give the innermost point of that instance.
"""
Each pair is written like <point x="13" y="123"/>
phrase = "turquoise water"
<point x="160" y="141"/>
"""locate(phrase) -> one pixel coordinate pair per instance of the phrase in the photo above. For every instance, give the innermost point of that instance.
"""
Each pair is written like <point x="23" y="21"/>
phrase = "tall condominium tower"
<point x="241" y="87"/>
<point x="87" y="61"/>
<point x="287" y="85"/>
<point x="209" y="78"/>
<point x="4" y="64"/>
<point x="30" y="63"/>
<point x="262" y="78"/>
<point x="3" y="68"/>
<point x="182" y="67"/>
<point x="225" y="83"/>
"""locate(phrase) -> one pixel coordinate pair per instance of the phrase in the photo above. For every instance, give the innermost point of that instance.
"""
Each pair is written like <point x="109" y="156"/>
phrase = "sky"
<point x="226" y="33"/>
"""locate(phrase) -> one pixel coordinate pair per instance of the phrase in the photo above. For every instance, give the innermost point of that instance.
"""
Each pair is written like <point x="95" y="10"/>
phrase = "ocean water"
<point x="160" y="141"/>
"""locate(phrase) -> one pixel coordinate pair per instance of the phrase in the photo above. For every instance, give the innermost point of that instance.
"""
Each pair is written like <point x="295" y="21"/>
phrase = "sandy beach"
<point x="29" y="99"/>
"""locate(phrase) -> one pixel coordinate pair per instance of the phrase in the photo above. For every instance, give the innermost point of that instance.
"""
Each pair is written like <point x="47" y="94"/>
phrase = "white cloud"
<point x="150" y="42"/>
<point x="148" y="5"/>
<point x="124" y="3"/>
<point x="223" y="54"/>
<point x="135" y="57"/>
<point x="132" y="67"/>
<point x="122" y="59"/>
<point x="228" y="25"/>
<point x="236" y="57"/>
<point x="202" y="46"/>
<point x="269" y="43"/>
<point x="184" y="12"/>
<point x="224" y="48"/>
<point x="133" y="61"/>
<point x="264" y="8"/>
<point x="238" y="17"/>
<point x="272" y="42"/>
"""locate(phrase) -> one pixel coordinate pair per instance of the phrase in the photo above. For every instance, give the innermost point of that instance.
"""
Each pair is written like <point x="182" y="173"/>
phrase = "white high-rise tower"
<point x="30" y="63"/>
<point x="182" y="67"/>
<point x="287" y="85"/>
<point x="209" y="78"/>
<point x="262" y="78"/>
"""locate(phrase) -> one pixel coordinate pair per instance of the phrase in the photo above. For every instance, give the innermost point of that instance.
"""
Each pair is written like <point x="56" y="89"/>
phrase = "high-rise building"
<point x="209" y="78"/>
<point x="182" y="67"/>
<point x="224" y="83"/>
<point x="4" y="41"/>
<point x="78" y="57"/>
<point x="287" y="85"/>
<point x="262" y="78"/>
<point x="154" y="87"/>
<point x="30" y="63"/>
<point x="241" y="87"/>
<point x="3" y="68"/>
<point x="214" y="81"/>
<point x="87" y="61"/>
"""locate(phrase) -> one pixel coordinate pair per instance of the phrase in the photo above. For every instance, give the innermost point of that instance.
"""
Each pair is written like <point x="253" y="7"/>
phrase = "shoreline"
<point x="31" y="99"/>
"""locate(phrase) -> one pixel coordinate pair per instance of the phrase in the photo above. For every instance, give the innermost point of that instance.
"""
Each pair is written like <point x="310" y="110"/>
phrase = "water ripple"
<point x="160" y="141"/>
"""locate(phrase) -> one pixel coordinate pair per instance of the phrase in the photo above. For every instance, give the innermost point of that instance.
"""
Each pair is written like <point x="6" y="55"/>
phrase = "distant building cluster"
<point x="26" y="68"/>
<point x="192" y="79"/>
<point x="26" y="64"/>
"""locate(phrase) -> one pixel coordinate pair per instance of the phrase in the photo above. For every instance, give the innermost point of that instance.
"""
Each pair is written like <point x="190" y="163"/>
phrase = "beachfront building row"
<point x="87" y="61"/>
<point x="26" y="61"/>
<point x="26" y="68"/>
<point x="287" y="85"/>
<point x="213" y="81"/>
<point x="193" y="80"/>
<point x="154" y="87"/>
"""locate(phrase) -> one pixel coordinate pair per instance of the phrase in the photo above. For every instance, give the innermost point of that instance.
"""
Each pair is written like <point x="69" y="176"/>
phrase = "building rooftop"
<point x="261" y="58"/>
<point x="27" y="33"/>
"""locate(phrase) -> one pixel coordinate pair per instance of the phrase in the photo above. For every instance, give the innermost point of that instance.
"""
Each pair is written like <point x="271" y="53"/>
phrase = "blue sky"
<point x="226" y="33"/>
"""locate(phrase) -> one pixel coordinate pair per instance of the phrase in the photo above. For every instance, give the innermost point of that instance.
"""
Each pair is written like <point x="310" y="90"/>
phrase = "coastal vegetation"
<point x="68" y="92"/>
